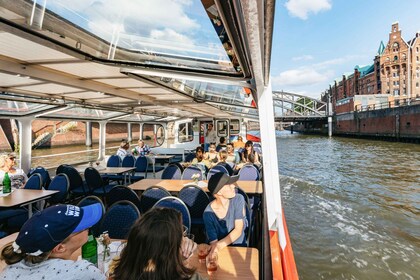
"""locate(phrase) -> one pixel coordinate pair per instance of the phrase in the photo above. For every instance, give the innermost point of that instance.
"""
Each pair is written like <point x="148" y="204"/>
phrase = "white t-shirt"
<point x="18" y="178"/>
<point x="53" y="269"/>
<point x="211" y="137"/>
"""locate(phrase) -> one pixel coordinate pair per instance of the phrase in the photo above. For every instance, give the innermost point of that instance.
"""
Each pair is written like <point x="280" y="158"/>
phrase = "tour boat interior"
<point x="172" y="71"/>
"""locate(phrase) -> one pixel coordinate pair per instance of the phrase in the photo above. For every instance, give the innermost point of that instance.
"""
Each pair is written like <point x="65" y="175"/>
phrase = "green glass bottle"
<point x="90" y="250"/>
<point x="7" y="183"/>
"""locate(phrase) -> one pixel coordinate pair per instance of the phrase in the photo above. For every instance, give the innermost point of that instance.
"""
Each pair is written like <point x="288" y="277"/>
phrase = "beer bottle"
<point x="7" y="183"/>
<point x="90" y="250"/>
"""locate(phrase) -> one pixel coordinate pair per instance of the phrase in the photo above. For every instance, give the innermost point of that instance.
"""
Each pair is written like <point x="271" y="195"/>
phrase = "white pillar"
<point x="88" y="134"/>
<point x="330" y="113"/>
<point x="25" y="143"/>
<point x="269" y="148"/>
<point x="102" y="140"/>
<point x="129" y="134"/>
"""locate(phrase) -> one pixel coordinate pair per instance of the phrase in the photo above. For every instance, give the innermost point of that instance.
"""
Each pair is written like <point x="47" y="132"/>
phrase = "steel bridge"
<point x="292" y="107"/>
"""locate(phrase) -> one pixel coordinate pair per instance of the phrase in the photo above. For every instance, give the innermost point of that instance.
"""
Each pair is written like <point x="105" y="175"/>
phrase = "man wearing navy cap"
<point x="224" y="218"/>
<point x="46" y="242"/>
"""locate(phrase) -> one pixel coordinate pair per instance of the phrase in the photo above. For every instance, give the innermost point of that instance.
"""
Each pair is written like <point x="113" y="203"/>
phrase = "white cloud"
<point x="300" y="77"/>
<point x="301" y="8"/>
<point x="303" y="57"/>
<point x="169" y="35"/>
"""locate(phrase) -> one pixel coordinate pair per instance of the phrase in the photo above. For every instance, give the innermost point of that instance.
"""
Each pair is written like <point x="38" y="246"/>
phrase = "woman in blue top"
<point x="224" y="218"/>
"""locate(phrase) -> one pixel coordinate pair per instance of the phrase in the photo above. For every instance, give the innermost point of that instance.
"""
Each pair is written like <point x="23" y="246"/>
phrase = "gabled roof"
<point x="364" y="70"/>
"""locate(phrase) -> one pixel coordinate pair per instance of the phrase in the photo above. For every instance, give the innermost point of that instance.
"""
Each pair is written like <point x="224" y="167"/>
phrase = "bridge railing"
<point x="389" y="104"/>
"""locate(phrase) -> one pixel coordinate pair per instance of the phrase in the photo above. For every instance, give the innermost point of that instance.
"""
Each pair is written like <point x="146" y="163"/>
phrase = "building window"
<point x="417" y="84"/>
<point x="417" y="49"/>
<point x="396" y="92"/>
<point x="395" y="58"/>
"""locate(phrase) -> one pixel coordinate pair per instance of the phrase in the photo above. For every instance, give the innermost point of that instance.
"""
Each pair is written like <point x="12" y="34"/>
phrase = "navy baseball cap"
<point x="51" y="226"/>
<point x="219" y="180"/>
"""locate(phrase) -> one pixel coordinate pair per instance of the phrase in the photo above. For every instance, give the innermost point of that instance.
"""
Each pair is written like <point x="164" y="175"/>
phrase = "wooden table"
<point x="252" y="187"/>
<point x="234" y="263"/>
<point x="22" y="197"/>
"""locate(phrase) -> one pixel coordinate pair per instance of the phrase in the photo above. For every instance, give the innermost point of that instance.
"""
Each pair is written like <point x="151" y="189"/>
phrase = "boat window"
<point x="234" y="127"/>
<point x="160" y="135"/>
<point x="222" y="128"/>
<point x="185" y="132"/>
<point x="153" y="135"/>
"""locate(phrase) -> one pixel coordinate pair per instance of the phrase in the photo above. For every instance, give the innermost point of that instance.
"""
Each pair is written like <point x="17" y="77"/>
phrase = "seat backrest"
<point x="141" y="164"/>
<point x="46" y="179"/>
<point x="227" y="167"/>
<point x="76" y="180"/>
<point x="119" y="193"/>
<point x="93" y="178"/>
<point x="216" y="169"/>
<point x="113" y="161"/>
<point x="196" y="200"/>
<point x="119" y="218"/>
<point x="34" y="182"/>
<point x="150" y="196"/>
<point x="189" y="157"/>
<point x="60" y="168"/>
<point x="172" y="171"/>
<point x="128" y="161"/>
<point x="177" y="204"/>
<point x="89" y="200"/>
<point x="60" y="183"/>
<point x="190" y="171"/>
<point x="249" y="173"/>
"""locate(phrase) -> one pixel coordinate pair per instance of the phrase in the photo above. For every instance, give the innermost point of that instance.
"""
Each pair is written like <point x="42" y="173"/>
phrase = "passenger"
<point x="232" y="156"/>
<point x="142" y="149"/>
<point x="222" y="144"/>
<point x="211" y="136"/>
<point x="45" y="244"/>
<point x="224" y="218"/>
<point x="239" y="143"/>
<point x="250" y="150"/>
<point x="17" y="176"/>
<point x="223" y="155"/>
<point x="123" y="150"/>
<point x="200" y="161"/>
<point x="212" y="155"/>
<point x="156" y="249"/>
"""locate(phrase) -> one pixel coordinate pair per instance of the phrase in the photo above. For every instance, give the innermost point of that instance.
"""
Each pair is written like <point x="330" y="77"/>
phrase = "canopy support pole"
<point x="129" y="133"/>
<point x="102" y="140"/>
<point x="25" y="143"/>
<point x="88" y="134"/>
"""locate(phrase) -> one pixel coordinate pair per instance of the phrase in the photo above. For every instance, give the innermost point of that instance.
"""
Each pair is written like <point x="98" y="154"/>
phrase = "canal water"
<point x="352" y="206"/>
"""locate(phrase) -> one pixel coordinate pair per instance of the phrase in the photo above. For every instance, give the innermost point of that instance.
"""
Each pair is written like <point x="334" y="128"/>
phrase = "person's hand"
<point x="214" y="249"/>
<point x="188" y="247"/>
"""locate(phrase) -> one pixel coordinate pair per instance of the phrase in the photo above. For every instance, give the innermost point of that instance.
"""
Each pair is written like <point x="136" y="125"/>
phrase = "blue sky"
<point x="316" y="41"/>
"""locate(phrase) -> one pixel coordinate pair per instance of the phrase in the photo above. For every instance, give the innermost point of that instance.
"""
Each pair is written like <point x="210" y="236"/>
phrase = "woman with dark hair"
<point x="155" y="249"/>
<point x="249" y="150"/>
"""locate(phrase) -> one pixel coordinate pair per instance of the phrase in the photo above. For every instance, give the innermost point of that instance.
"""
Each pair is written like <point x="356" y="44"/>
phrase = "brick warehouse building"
<point x="395" y="72"/>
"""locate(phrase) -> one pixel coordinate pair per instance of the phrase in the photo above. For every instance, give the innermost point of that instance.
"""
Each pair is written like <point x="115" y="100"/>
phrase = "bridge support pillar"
<point x="102" y="140"/>
<point x="25" y="143"/>
<point x="88" y="134"/>
<point x="329" y="126"/>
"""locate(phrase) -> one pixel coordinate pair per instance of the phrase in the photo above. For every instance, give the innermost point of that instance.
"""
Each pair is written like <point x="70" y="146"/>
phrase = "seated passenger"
<point x="250" y="161"/>
<point x="232" y="156"/>
<point x="224" y="218"/>
<point x="200" y="162"/>
<point x="156" y="249"/>
<point x="212" y="155"/>
<point x="17" y="176"/>
<point x="45" y="244"/>
<point x="249" y="149"/>
<point x="239" y="143"/>
<point x="142" y="149"/>
<point x="123" y="150"/>
<point x="222" y="144"/>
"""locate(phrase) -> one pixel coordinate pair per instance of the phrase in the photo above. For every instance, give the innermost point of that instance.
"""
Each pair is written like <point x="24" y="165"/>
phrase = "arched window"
<point x="395" y="58"/>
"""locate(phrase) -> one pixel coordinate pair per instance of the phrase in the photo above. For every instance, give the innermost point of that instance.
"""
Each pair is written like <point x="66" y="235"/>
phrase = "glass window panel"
<point x="148" y="134"/>
<point x="222" y="128"/>
<point x="185" y="132"/>
<point x="85" y="113"/>
<point x="18" y="108"/>
<point x="234" y="126"/>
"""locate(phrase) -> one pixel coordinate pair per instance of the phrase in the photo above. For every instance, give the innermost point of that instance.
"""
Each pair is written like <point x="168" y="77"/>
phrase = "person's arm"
<point x="216" y="246"/>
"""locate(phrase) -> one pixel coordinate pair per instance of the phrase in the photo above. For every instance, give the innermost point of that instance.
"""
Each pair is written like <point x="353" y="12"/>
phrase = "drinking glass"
<point x="211" y="264"/>
<point x="202" y="251"/>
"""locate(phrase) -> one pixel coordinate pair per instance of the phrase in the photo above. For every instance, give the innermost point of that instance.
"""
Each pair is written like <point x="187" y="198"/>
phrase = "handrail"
<point x="388" y="104"/>
<point x="72" y="153"/>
